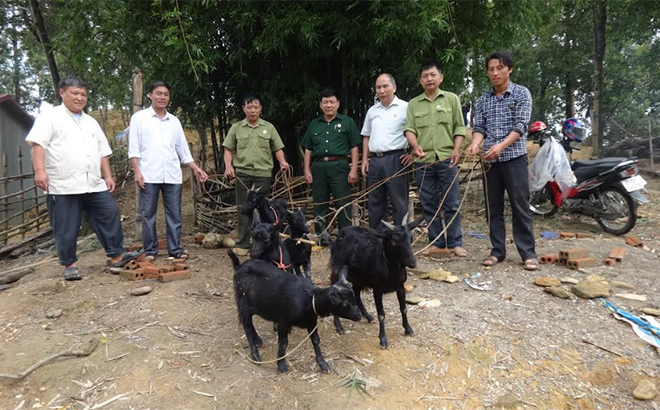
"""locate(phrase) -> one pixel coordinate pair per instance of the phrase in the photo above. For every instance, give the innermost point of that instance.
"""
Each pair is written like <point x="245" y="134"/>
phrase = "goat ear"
<point x="405" y="219"/>
<point x="412" y="225"/>
<point x="256" y="218"/>
<point x="252" y="187"/>
<point x="387" y="224"/>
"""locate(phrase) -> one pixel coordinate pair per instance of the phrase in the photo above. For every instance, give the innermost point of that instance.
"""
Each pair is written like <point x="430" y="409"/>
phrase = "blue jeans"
<point x="433" y="181"/>
<point x="149" y="206"/>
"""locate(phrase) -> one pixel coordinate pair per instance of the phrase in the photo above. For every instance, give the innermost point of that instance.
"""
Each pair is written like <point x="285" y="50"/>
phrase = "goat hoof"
<point x="369" y="318"/>
<point x="409" y="332"/>
<point x="282" y="368"/>
<point x="324" y="367"/>
<point x="384" y="344"/>
<point x="258" y="341"/>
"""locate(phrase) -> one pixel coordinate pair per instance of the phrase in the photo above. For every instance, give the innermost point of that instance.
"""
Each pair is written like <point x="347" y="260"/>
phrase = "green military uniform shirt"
<point x="331" y="139"/>
<point x="253" y="147"/>
<point x="435" y="122"/>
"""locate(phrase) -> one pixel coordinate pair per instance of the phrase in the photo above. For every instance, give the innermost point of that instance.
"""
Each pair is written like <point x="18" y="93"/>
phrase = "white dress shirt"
<point x="160" y="145"/>
<point x="73" y="151"/>
<point x="384" y="126"/>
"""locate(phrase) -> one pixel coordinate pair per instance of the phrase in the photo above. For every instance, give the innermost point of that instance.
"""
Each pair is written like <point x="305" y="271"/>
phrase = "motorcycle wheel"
<point x="615" y="200"/>
<point x="540" y="202"/>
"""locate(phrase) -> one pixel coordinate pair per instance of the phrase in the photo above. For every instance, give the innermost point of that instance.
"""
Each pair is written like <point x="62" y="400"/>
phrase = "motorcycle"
<point x="607" y="189"/>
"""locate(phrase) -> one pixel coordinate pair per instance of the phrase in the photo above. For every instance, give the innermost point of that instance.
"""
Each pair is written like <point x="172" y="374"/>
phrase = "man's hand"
<point x="406" y="159"/>
<point x="284" y="165"/>
<point x="418" y="152"/>
<point x="308" y="177"/>
<point x="365" y="167"/>
<point x="454" y="158"/>
<point x="473" y="149"/>
<point x="229" y="172"/>
<point x="110" y="183"/>
<point x="41" y="180"/>
<point x="494" y="152"/>
<point x="139" y="179"/>
<point x="201" y="175"/>
<point x="352" y="176"/>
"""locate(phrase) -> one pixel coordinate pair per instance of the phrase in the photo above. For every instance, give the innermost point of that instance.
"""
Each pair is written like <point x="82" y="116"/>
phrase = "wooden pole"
<point x="5" y="195"/>
<point x="20" y="186"/>
<point x="192" y="187"/>
<point x="138" y="91"/>
<point x="648" y="121"/>
<point x="36" y="204"/>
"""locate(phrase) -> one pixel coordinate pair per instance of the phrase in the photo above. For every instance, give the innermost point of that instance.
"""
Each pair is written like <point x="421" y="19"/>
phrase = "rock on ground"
<point x="645" y="390"/>
<point x="589" y="289"/>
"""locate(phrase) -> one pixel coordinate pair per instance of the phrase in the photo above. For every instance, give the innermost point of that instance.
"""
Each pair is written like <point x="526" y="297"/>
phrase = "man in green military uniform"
<point x="249" y="148"/>
<point x="328" y="141"/>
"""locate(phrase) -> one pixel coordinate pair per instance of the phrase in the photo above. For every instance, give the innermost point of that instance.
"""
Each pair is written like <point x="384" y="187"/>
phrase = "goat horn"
<point x="256" y="218"/>
<point x="405" y="219"/>
<point x="387" y="224"/>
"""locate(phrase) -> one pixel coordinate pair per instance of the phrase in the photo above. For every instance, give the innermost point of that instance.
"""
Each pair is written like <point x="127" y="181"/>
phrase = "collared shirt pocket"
<point x="443" y="116"/>
<point x="422" y="119"/>
<point x="242" y="141"/>
<point x="264" y="139"/>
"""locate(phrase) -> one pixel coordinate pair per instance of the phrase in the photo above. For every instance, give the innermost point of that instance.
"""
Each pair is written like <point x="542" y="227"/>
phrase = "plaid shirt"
<point x="496" y="116"/>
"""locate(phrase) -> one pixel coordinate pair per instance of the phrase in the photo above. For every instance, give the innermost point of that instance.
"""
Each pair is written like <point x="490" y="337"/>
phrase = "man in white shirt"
<point x="156" y="148"/>
<point x="70" y="159"/>
<point x="384" y="153"/>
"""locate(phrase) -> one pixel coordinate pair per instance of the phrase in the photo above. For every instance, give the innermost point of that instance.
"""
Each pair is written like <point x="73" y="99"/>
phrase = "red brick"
<point x="135" y="274"/>
<point x="549" y="258"/>
<point x="584" y="235"/>
<point x="566" y="235"/>
<point x="145" y="264"/>
<point x="199" y="238"/>
<point x="172" y="276"/>
<point x="634" y="241"/>
<point x="573" y="253"/>
<point x="131" y="265"/>
<point x="609" y="261"/>
<point x="175" y="261"/>
<point x="579" y="263"/>
<point x="180" y="266"/>
<point x="165" y="268"/>
<point x="617" y="254"/>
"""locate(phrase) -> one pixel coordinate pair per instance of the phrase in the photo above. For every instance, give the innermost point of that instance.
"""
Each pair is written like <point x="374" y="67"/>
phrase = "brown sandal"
<point x="491" y="261"/>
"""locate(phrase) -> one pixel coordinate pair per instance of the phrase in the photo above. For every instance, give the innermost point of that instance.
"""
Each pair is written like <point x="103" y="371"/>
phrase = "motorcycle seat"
<point x="584" y="170"/>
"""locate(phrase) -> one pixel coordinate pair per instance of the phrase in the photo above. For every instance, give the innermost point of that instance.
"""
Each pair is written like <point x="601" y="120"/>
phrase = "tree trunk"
<point x="42" y="36"/>
<point x="600" y="25"/>
<point x="16" y="57"/>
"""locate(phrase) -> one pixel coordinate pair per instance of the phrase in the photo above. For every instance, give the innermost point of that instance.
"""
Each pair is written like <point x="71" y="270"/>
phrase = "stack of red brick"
<point x="175" y="269"/>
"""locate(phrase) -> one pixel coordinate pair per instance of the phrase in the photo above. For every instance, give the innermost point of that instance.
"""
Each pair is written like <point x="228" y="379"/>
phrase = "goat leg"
<point x="282" y="343"/>
<point x="252" y="337"/>
<point x="358" y="291"/>
<point x="401" y="295"/>
<point x="316" y="342"/>
<point x="338" y="327"/>
<point x="296" y="268"/>
<point x="307" y="267"/>
<point x="378" y="298"/>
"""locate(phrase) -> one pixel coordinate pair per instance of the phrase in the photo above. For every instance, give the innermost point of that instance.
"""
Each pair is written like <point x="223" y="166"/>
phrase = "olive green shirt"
<point x="253" y="147"/>
<point x="436" y="123"/>
<point x="331" y="139"/>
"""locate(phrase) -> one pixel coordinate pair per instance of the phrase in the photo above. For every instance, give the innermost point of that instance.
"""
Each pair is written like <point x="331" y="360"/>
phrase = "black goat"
<point x="271" y="212"/>
<point x="300" y="253"/>
<point x="267" y="246"/>
<point x="287" y="300"/>
<point x="376" y="260"/>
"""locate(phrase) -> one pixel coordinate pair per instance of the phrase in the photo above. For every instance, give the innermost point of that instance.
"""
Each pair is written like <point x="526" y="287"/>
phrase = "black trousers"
<point x="65" y="213"/>
<point x="513" y="177"/>
<point x="396" y="189"/>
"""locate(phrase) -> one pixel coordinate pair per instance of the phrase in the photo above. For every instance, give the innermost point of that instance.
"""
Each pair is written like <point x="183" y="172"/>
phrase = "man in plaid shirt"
<point x="501" y="119"/>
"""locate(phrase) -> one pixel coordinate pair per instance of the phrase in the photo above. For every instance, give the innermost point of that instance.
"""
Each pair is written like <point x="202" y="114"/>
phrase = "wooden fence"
<point x="30" y="214"/>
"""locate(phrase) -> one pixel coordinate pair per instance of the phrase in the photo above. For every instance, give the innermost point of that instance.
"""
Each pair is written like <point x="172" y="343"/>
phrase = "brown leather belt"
<point x="386" y="153"/>
<point x="329" y="159"/>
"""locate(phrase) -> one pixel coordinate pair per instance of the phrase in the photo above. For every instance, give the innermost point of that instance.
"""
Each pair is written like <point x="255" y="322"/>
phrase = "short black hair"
<point x="250" y="97"/>
<point x="72" y="81"/>
<point x="157" y="84"/>
<point x="328" y="92"/>
<point x="504" y="57"/>
<point x="427" y="65"/>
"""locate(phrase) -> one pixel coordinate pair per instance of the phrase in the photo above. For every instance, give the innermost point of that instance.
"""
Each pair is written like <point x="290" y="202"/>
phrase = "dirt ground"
<point x="180" y="347"/>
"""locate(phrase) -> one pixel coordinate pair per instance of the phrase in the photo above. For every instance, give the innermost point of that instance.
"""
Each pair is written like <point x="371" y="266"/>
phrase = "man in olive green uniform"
<point x="435" y="131"/>
<point x="249" y="148"/>
<point x="328" y="141"/>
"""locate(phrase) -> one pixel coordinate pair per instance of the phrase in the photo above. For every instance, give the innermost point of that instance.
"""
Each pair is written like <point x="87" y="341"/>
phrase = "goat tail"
<point x="234" y="259"/>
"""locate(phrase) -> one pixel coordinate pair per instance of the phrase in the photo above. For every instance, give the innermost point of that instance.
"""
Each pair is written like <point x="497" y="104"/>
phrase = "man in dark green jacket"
<point x="328" y="141"/>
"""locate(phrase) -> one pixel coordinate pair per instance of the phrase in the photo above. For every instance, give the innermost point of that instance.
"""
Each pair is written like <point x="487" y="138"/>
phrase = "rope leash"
<point x="280" y="264"/>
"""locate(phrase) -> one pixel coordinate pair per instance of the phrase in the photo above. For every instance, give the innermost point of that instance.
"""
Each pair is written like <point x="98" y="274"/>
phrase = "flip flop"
<point x="181" y="255"/>
<point x="72" y="273"/>
<point x="125" y="258"/>
<point x="491" y="261"/>
<point x="531" y="264"/>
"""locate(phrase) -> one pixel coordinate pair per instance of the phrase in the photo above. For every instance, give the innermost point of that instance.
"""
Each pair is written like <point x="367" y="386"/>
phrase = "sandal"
<point x="126" y="257"/>
<point x="72" y="273"/>
<point x="181" y="255"/>
<point x="531" y="264"/>
<point x="491" y="261"/>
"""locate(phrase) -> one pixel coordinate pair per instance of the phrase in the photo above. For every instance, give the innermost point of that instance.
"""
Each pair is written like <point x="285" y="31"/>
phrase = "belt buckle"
<point x="325" y="159"/>
<point x="379" y="154"/>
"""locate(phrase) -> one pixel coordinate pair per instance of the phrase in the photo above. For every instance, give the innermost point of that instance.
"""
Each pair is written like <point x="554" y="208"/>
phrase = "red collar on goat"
<point x="277" y="220"/>
<point x="280" y="264"/>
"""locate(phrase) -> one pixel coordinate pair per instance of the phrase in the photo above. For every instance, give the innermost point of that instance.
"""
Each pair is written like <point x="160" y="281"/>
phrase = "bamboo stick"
<point x="15" y="177"/>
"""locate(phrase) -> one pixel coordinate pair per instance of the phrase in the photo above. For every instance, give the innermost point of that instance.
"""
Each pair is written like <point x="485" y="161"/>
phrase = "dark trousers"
<point x="65" y="213"/>
<point x="396" y="189"/>
<point x="433" y="182"/>
<point x="331" y="178"/>
<point x="245" y="221"/>
<point x="149" y="206"/>
<point x="511" y="176"/>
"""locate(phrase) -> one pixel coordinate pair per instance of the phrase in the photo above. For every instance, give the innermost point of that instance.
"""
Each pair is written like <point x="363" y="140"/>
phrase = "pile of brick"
<point x="174" y="269"/>
<point x="578" y="258"/>
<point x="162" y="245"/>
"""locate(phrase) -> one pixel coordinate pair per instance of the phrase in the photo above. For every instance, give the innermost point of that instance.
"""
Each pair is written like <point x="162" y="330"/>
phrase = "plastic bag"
<point x="551" y="164"/>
